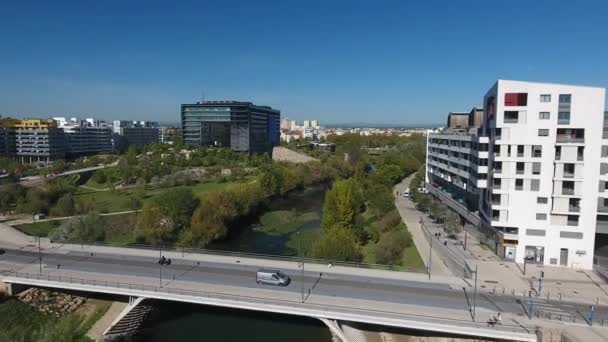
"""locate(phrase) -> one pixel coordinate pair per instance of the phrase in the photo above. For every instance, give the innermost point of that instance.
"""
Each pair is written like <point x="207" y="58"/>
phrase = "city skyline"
<point x="341" y="63"/>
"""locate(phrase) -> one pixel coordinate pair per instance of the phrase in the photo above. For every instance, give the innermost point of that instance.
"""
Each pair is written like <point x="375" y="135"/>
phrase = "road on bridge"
<point x="142" y="269"/>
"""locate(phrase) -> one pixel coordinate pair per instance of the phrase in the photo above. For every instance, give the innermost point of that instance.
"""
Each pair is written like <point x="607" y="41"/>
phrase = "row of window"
<point x="521" y="99"/>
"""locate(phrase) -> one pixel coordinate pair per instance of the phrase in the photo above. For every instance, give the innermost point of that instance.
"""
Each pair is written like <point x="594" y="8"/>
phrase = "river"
<point x="274" y="232"/>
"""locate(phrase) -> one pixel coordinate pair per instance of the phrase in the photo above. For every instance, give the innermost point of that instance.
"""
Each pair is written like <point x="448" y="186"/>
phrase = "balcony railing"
<point x="574" y="208"/>
<point x="566" y="138"/>
<point x="567" y="191"/>
<point x="568" y="174"/>
<point x="572" y="223"/>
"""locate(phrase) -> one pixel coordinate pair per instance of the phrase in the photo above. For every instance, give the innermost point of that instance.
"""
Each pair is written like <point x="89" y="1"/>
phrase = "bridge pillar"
<point x="335" y="328"/>
<point x="15" y="289"/>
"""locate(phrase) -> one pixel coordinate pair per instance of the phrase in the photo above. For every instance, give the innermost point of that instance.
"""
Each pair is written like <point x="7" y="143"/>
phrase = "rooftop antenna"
<point x="202" y="96"/>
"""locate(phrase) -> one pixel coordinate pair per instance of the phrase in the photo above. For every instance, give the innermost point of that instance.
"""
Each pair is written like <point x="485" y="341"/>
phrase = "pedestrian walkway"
<point x="503" y="276"/>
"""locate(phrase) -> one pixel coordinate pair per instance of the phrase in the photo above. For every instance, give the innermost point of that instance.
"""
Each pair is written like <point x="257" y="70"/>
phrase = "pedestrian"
<point x="445" y="242"/>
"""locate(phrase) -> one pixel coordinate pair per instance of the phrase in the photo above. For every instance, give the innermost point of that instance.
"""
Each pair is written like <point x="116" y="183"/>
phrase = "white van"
<point x="272" y="277"/>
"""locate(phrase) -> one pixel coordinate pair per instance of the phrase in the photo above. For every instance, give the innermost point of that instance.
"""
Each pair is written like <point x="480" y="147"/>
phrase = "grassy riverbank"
<point x="21" y="322"/>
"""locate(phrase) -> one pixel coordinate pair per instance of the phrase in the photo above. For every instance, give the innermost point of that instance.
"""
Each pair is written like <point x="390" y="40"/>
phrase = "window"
<point x="543" y="132"/>
<point x="516" y="99"/>
<point x="511" y="116"/>
<point x="558" y="152"/>
<point x="536" y="168"/>
<point x="572" y="220"/>
<point x="520" y="150"/>
<point x="604" y="151"/>
<point x="544" y="115"/>
<point x="537" y="151"/>
<point x="535" y="184"/>
<point x="568" y="170"/>
<point x="542" y="200"/>
<point x="519" y="184"/>
<point x="563" y="118"/>
<point x="545" y="98"/>
<point x="519" y="168"/>
<point x="567" y="188"/>
<point x="580" y="153"/>
<point x="565" y="98"/>
<point x="541" y="216"/>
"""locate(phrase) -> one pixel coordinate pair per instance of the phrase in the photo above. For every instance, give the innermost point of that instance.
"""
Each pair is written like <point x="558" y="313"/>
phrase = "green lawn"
<point x="39" y="228"/>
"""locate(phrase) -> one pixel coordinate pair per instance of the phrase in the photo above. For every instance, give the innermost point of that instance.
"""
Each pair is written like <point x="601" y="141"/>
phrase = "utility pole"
<point x="302" y="262"/>
<point x="430" y="248"/>
<point x="475" y="297"/>
<point x="530" y="306"/>
<point x="464" y="227"/>
<point x="540" y="281"/>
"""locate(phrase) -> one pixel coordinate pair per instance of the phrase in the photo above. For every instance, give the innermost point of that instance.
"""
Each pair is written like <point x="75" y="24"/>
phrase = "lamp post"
<point x="39" y="257"/>
<point x="301" y="262"/>
<point x="475" y="296"/>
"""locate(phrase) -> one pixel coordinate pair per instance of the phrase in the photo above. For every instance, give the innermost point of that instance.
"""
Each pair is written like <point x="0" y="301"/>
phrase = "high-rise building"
<point x="315" y="124"/>
<point x="242" y="126"/>
<point x="86" y="136"/>
<point x="539" y="165"/>
<point x="39" y="140"/>
<point x="126" y="133"/>
<point x="307" y="124"/>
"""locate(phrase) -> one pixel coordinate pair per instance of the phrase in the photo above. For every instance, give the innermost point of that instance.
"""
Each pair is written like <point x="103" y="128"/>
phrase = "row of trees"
<point x="359" y="215"/>
<point x="438" y="211"/>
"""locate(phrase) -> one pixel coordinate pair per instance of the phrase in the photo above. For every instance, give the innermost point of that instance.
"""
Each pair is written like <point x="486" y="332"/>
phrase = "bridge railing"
<point x="107" y="284"/>
<point x="190" y="250"/>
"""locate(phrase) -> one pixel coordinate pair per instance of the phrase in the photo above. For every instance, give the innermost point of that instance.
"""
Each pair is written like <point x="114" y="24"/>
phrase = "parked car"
<point x="272" y="277"/>
<point x="406" y="193"/>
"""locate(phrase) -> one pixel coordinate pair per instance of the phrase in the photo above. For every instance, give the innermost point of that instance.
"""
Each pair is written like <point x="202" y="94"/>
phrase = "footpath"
<point x="494" y="274"/>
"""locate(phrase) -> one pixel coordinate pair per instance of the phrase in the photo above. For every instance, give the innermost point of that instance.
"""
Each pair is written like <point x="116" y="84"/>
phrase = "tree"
<point x="65" y="206"/>
<point x="438" y="211"/>
<point x="389" y="175"/>
<point x="271" y="179"/>
<point x="380" y="199"/>
<point x="452" y="224"/>
<point x="177" y="206"/>
<point x="424" y="204"/>
<point x="337" y="244"/>
<point x="342" y="203"/>
<point x="389" y="249"/>
<point x="90" y="227"/>
<point x="152" y="226"/>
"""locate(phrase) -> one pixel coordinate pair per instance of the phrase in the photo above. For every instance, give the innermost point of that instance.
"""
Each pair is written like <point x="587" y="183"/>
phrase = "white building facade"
<point x="542" y="195"/>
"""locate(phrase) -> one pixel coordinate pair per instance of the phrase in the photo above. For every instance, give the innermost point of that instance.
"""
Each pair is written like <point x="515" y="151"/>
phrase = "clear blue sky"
<point x="338" y="61"/>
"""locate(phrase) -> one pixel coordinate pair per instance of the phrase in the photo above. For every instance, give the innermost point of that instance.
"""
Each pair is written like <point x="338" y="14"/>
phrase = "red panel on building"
<point x="516" y="99"/>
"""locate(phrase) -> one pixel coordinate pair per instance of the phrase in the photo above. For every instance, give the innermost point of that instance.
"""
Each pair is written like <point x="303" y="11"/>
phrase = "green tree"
<point x="152" y="226"/>
<point x="337" y="244"/>
<point x="65" y="206"/>
<point x="177" y="206"/>
<point x="452" y="224"/>
<point x="389" y="249"/>
<point x="271" y="179"/>
<point x="380" y="199"/>
<point x="389" y="174"/>
<point x="90" y="227"/>
<point x="342" y="204"/>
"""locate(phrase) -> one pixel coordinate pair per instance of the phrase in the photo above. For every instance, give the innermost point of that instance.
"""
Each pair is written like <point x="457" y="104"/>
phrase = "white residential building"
<point x="541" y="182"/>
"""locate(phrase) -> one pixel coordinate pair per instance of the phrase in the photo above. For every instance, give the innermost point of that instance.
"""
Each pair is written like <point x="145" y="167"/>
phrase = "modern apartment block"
<point x="39" y="140"/>
<point x="126" y="133"/>
<point x="541" y="164"/>
<point x="242" y="126"/>
<point x="452" y="163"/>
<point x="88" y="136"/>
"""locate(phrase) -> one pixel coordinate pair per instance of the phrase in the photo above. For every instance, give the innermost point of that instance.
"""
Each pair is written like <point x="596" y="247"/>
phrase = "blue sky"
<point x="393" y="62"/>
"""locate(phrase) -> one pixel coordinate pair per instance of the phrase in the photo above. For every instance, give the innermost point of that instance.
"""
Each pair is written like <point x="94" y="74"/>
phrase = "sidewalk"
<point x="503" y="276"/>
<point x="412" y="221"/>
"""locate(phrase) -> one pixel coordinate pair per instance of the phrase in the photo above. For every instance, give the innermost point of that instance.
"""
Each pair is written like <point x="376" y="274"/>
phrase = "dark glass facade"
<point x="242" y="126"/>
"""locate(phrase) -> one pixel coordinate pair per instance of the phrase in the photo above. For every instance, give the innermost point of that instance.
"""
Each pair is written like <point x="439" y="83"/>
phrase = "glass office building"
<point x="242" y="126"/>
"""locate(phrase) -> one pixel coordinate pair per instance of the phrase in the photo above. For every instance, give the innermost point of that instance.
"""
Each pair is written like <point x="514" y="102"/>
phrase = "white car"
<point x="406" y="193"/>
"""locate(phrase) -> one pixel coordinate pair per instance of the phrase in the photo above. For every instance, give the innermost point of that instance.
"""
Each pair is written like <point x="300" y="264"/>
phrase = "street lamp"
<point x="301" y="262"/>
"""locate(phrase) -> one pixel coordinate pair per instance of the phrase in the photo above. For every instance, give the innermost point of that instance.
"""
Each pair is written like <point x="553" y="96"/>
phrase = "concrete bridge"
<point x="385" y="298"/>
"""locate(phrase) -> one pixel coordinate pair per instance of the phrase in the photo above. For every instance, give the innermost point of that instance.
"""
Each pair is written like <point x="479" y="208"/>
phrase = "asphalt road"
<point x="346" y="286"/>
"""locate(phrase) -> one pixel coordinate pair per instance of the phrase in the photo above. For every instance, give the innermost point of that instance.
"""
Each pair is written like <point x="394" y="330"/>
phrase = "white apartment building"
<point x="545" y="146"/>
<point x="540" y="165"/>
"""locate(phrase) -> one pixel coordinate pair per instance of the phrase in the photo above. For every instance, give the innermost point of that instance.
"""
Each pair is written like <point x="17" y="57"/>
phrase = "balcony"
<point x="573" y="136"/>
<point x="574" y="208"/>
<point x="568" y="191"/>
